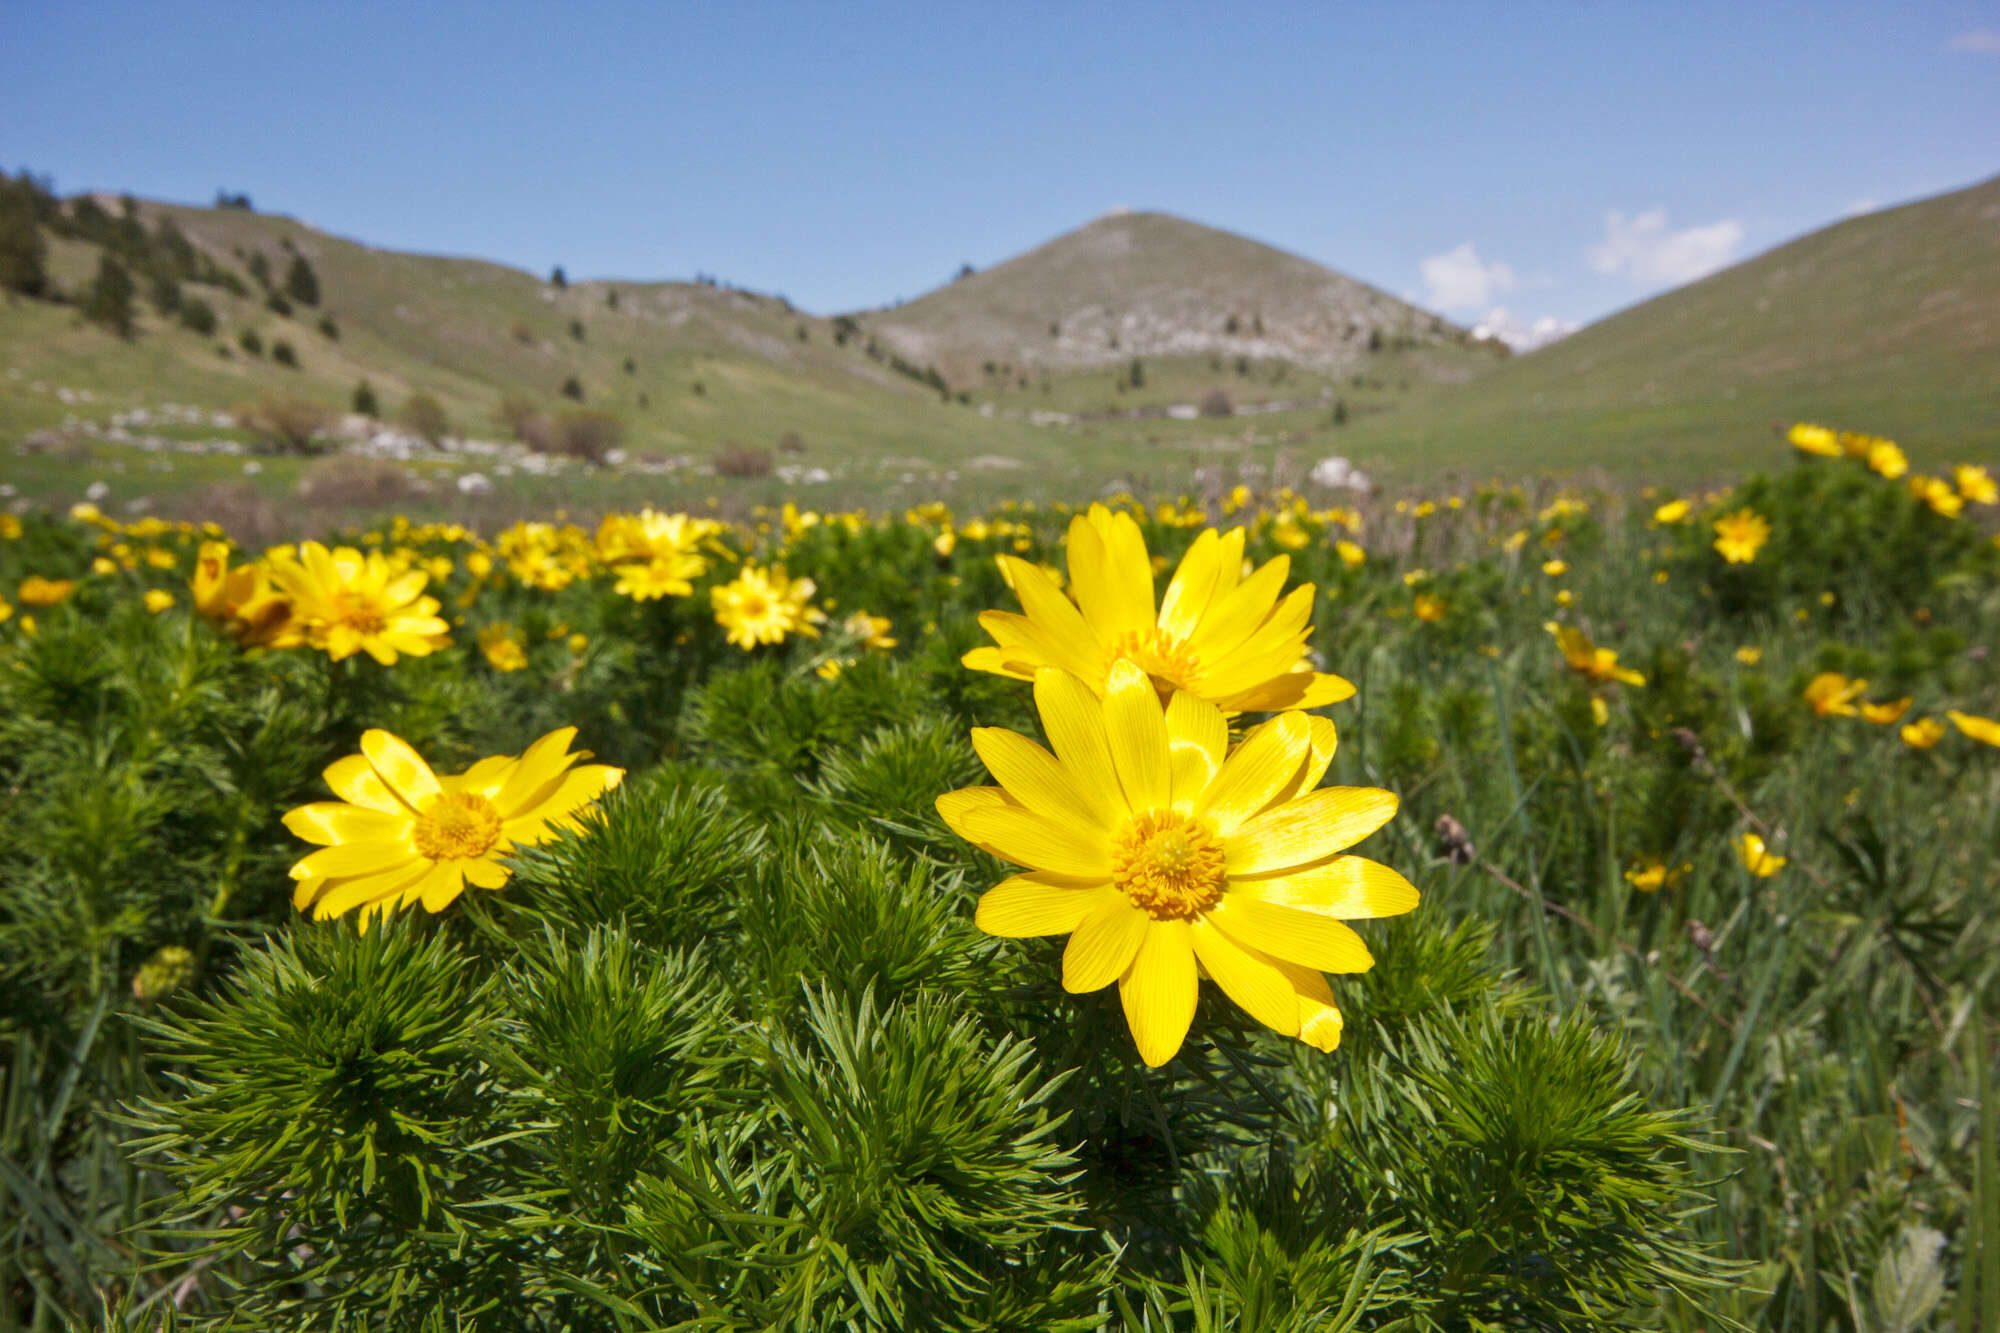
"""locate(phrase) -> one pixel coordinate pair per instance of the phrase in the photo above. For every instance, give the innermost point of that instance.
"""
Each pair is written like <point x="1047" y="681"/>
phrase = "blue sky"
<point x="1555" y="161"/>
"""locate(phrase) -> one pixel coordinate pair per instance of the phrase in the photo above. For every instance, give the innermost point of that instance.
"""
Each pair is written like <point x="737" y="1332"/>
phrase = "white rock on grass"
<point x="475" y="483"/>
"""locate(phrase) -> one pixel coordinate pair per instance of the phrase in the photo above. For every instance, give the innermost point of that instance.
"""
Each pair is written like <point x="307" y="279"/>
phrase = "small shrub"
<point x="557" y="278"/>
<point x="328" y="329"/>
<point x="631" y="366"/>
<point x="365" y="402"/>
<point x="110" y="299"/>
<point x="23" y="252"/>
<point x="515" y="413"/>
<point x="737" y="460"/>
<point x="573" y="388"/>
<point x="286" y="423"/>
<point x="425" y="416"/>
<point x="301" y="283"/>
<point x="1215" y="403"/>
<point x="802" y="334"/>
<point x="349" y="481"/>
<point x="278" y="305"/>
<point x="587" y="434"/>
<point x="522" y="334"/>
<point x="166" y="293"/>
<point x="576" y="329"/>
<point x="198" y="315"/>
<point x="700" y="389"/>
<point x="611" y="298"/>
<point x="791" y="442"/>
<point x="250" y="341"/>
<point x="284" y="354"/>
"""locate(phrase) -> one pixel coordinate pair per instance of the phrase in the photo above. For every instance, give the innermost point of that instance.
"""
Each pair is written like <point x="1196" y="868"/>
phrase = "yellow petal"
<point x="1350" y="887"/>
<point x="443" y="884"/>
<point x="1258" y="988"/>
<point x="1027" y="839"/>
<point x="1045" y="604"/>
<point x="1102" y="945"/>
<point x="1310" y="828"/>
<point x="355" y="781"/>
<point x="402" y="768"/>
<point x="535" y="777"/>
<point x="993" y="659"/>
<point x="1025" y="639"/>
<point x="1073" y="720"/>
<point x="1320" y="1022"/>
<point x="330" y="822"/>
<point x="1033" y="776"/>
<point x="1236" y="616"/>
<point x="1267" y="759"/>
<point x="1194" y="584"/>
<point x="1036" y="904"/>
<point x="1159" y="990"/>
<point x="953" y="806"/>
<point x="1307" y="938"/>
<point x="1325" y="739"/>
<point x="1137" y="730"/>
<point x="343" y="895"/>
<point x="1978" y="728"/>
<point x="1111" y="572"/>
<point x="483" y="873"/>
<point x="352" y="858"/>
<point x="1198" y="736"/>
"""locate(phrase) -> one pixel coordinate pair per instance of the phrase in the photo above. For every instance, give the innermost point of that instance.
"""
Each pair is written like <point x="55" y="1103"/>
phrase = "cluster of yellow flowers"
<point x="341" y="601"/>
<point x="1969" y="483"/>
<point x="1832" y="694"/>
<point x="1162" y="850"/>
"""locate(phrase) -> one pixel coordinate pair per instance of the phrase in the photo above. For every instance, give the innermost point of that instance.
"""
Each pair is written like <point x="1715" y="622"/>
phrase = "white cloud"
<point x="1520" y="335"/>
<point x="1459" y="280"/>
<point x="1647" y="251"/>
<point x="1979" y="41"/>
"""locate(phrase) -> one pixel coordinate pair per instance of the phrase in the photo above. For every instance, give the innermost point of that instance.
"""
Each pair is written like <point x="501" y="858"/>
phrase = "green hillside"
<point x="1887" y="323"/>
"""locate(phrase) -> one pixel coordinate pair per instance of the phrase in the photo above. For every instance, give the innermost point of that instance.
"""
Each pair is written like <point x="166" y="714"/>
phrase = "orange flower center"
<point x="358" y="610"/>
<point x="1170" y="662"/>
<point x="1169" y="865"/>
<point x="457" y="826"/>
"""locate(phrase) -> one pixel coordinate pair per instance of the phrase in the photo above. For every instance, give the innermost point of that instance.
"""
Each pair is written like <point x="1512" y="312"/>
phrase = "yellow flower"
<point x="6" y="610"/>
<point x="1163" y="854"/>
<point x="655" y="554"/>
<point x="1856" y="445"/>
<point x="10" y="527"/>
<point x="1938" y="494"/>
<point x="38" y="591"/>
<point x="763" y="606"/>
<point x="1832" y="694"/>
<point x="1814" y="440"/>
<point x="401" y="834"/>
<point x="1350" y="554"/>
<point x="1975" y="485"/>
<point x="1564" y="597"/>
<point x="1428" y="607"/>
<point x="1756" y="858"/>
<point x="158" y="600"/>
<point x="644" y="582"/>
<point x="1923" y="733"/>
<point x="831" y="668"/>
<point x="1979" y="728"/>
<point x="345" y="602"/>
<point x="1217" y="634"/>
<point x="241" y="601"/>
<point x="945" y="543"/>
<point x="1597" y="665"/>
<point x="576" y="643"/>
<point x="1654" y="875"/>
<point x="1884" y="457"/>
<point x="1887" y="713"/>
<point x="502" y="648"/>
<point x="873" y="631"/>
<point x="1673" y="511"/>
<point x="1749" y="655"/>
<point x="1739" y="535"/>
<point x="1555" y="569"/>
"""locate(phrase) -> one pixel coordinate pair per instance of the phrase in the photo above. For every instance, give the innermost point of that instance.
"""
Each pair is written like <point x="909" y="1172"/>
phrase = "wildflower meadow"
<point x="1495" y="907"/>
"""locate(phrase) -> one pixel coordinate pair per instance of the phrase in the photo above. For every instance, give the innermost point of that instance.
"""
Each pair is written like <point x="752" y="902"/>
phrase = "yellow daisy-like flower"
<point x="502" y="647"/>
<point x="1808" y="439"/>
<point x="1596" y="665"/>
<point x="1654" y="875"/>
<point x="1739" y="535"/>
<point x="1216" y="634"/>
<point x="1756" y="857"/>
<point x="1162" y="854"/>
<point x="1979" y="728"/>
<point x="1555" y="569"/>
<point x="1832" y="694"/>
<point x="158" y="600"/>
<point x="1887" y="713"/>
<point x="241" y="600"/>
<point x="1923" y="733"/>
<point x="1974" y="485"/>
<point x="38" y="591"/>
<point x="6" y="610"/>
<point x="402" y="834"/>
<point x="1749" y="655"/>
<point x="1350" y="553"/>
<point x="1673" y="511"/>
<point x="1887" y="459"/>
<point x="763" y="606"/>
<point x="872" y="631"/>
<point x="1428" y="607"/>
<point x="652" y="579"/>
<point x="345" y="602"/>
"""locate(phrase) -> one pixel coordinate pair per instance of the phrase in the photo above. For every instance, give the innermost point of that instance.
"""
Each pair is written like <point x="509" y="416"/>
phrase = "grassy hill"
<point x="1887" y="323"/>
<point x="1150" y="285"/>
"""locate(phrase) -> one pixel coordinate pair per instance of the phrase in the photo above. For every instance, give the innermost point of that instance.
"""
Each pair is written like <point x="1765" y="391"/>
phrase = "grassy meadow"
<point x="1688" y="1026"/>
